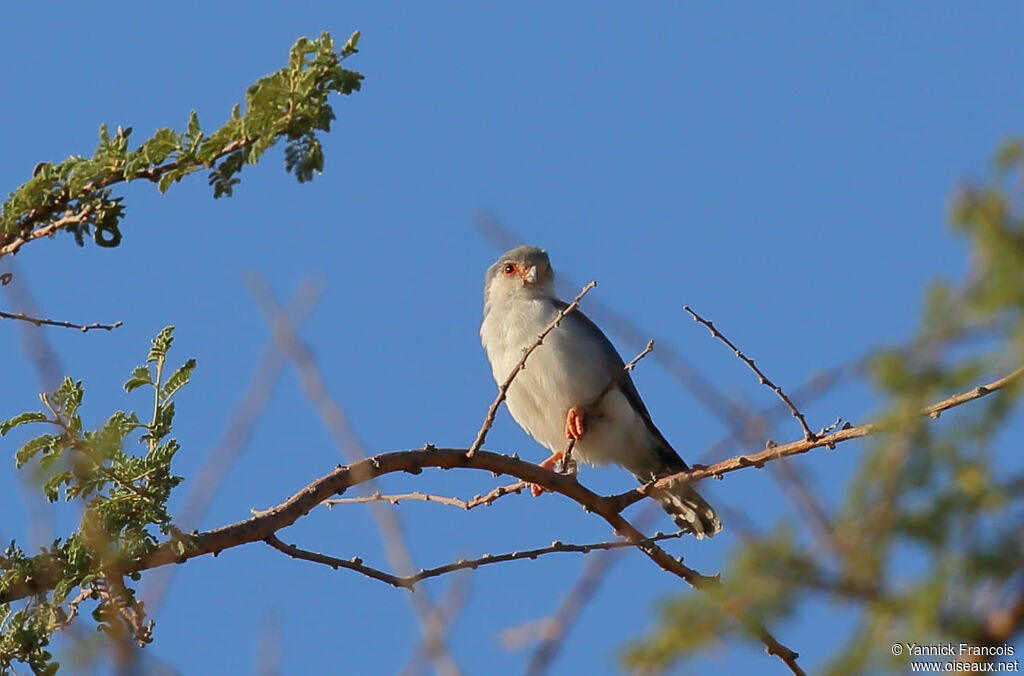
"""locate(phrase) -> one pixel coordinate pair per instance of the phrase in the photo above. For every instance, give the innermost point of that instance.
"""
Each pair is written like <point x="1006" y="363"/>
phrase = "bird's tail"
<point x="688" y="509"/>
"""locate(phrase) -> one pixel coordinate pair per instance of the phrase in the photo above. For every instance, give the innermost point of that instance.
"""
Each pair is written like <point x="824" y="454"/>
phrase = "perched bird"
<point x="565" y="375"/>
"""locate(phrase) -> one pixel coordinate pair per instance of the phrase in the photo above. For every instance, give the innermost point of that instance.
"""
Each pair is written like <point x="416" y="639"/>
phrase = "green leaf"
<point x="161" y="344"/>
<point x="26" y="452"/>
<point x="178" y="379"/>
<point x="68" y="396"/>
<point x="140" y="376"/>
<point x="21" y="419"/>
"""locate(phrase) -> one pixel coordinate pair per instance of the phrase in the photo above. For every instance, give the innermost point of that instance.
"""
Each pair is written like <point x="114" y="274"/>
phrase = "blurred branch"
<point x="556" y="628"/>
<point x="341" y="430"/>
<point x="241" y="424"/>
<point x="450" y="606"/>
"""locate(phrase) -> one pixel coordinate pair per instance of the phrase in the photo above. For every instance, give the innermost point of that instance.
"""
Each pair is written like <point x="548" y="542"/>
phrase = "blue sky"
<point x="783" y="168"/>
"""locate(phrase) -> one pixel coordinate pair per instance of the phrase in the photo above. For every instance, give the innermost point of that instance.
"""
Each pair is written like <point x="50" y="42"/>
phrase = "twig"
<point x="808" y="434"/>
<point x="395" y="498"/>
<point x="567" y="453"/>
<point x="53" y="322"/>
<point x="70" y="218"/>
<point x="503" y="389"/>
<point x="500" y="491"/>
<point x="410" y="581"/>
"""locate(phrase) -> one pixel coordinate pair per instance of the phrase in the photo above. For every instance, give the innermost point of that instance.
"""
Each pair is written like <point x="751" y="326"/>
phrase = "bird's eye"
<point x="509" y="268"/>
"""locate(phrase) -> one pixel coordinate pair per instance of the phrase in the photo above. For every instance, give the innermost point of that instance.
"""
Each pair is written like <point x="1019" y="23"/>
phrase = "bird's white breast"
<point x="568" y="369"/>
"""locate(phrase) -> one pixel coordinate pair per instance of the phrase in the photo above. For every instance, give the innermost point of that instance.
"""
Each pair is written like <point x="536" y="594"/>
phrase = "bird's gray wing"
<point x="613" y="364"/>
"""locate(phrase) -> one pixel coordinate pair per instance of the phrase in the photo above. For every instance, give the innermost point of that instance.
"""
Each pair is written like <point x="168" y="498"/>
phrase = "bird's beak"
<point x="530" y="276"/>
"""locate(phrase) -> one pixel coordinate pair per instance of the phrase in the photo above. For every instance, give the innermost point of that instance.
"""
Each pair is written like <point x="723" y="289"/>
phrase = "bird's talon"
<point x="549" y="463"/>
<point x="574" y="423"/>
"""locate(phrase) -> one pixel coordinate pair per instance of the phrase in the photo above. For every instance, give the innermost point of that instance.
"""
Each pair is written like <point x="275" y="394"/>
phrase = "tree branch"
<point x="410" y="581"/>
<point x="808" y="434"/>
<point x="846" y="433"/>
<point x="53" y="322"/>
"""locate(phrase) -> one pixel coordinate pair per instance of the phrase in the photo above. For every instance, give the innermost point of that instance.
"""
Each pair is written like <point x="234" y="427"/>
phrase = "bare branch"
<point x="395" y="498"/>
<point x="503" y="389"/>
<point x="808" y="434"/>
<point x="846" y="433"/>
<point x="410" y="581"/>
<point x="53" y="322"/>
<point x="399" y="497"/>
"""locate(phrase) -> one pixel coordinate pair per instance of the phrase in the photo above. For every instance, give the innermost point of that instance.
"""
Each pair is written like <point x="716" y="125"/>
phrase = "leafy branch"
<point x="123" y="495"/>
<point x="290" y="104"/>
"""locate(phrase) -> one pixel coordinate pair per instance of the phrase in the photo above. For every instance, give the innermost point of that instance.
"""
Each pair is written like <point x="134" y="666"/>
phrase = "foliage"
<point x="927" y="489"/>
<point x="291" y="104"/>
<point x="124" y="503"/>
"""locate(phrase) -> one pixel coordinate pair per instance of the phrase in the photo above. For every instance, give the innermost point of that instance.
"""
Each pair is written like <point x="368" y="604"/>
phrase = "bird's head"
<point x="523" y="272"/>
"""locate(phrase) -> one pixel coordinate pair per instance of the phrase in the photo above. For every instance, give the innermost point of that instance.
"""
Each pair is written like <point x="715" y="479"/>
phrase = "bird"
<point x="550" y="397"/>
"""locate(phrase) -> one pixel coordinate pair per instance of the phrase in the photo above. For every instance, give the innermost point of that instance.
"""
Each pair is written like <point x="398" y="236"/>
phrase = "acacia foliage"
<point x="292" y="104"/>
<point x="120" y="472"/>
<point x="925" y="545"/>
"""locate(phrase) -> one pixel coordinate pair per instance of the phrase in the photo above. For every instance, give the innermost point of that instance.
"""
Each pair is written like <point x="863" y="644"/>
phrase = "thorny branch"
<point x="808" y="434"/>
<point x="267" y="523"/>
<point x="503" y="389"/>
<point x="410" y="581"/>
<point x="53" y="322"/>
<point x="845" y="433"/>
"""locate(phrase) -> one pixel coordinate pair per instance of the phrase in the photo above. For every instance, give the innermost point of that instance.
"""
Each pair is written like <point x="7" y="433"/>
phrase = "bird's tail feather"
<point x="688" y="509"/>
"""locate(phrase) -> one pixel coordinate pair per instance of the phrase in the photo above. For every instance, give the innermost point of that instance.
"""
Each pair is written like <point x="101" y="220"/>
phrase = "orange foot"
<point x="574" y="423"/>
<point x="536" y="489"/>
